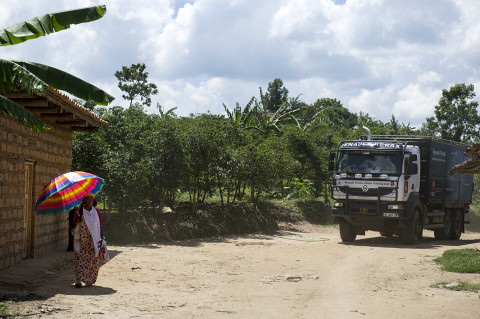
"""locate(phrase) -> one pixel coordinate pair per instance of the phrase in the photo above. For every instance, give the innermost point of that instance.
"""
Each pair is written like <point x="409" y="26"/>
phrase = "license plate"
<point x="390" y="214"/>
<point x="364" y="210"/>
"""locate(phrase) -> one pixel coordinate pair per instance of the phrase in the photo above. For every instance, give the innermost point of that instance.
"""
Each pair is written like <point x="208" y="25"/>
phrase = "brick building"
<point x="28" y="161"/>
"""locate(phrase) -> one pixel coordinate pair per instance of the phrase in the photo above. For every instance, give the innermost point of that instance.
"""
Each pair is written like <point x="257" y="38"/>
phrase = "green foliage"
<point x="168" y="161"/>
<point x="300" y="189"/>
<point x="460" y="260"/>
<point x="455" y="118"/>
<point x="243" y="118"/>
<point x="475" y="207"/>
<point x="4" y="309"/>
<point x="8" y="107"/>
<point x="266" y="164"/>
<point x="276" y="96"/>
<point x="128" y="162"/>
<point x="152" y="160"/>
<point x="34" y="77"/>
<point x="266" y="122"/>
<point x="167" y="113"/>
<point x="64" y="81"/>
<point x="49" y="23"/>
<point x="134" y="82"/>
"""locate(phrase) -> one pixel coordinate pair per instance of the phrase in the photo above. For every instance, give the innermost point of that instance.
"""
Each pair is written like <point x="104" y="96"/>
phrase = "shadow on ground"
<point x="395" y="242"/>
<point x="45" y="277"/>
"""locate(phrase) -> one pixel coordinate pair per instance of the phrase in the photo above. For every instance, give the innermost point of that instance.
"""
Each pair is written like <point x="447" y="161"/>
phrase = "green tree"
<point x="128" y="156"/>
<point x="456" y="118"/>
<point x="265" y="163"/>
<point x="205" y="144"/>
<point x="169" y="165"/>
<point x="134" y="82"/>
<point x="35" y="77"/>
<point x="276" y="95"/>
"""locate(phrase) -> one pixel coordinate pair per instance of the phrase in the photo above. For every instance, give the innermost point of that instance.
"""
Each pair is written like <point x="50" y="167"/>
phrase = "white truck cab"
<point x="399" y="185"/>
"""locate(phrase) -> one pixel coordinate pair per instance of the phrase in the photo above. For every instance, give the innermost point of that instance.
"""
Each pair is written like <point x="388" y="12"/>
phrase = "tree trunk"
<point x="161" y="200"/>
<point x="220" y="190"/>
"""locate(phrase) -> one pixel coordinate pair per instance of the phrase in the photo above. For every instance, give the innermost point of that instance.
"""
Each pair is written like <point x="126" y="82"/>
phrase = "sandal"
<point x="78" y="284"/>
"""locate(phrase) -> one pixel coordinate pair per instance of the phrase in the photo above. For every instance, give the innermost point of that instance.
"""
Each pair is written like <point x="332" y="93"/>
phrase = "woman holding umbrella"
<point x="87" y="241"/>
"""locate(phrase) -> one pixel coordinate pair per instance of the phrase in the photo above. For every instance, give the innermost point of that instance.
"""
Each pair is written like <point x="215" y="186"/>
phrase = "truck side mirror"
<point x="412" y="169"/>
<point x="331" y="162"/>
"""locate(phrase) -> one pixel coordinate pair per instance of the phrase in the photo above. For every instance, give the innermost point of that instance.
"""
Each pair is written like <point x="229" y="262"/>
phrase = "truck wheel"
<point x="444" y="232"/>
<point x="457" y="225"/>
<point x="348" y="232"/>
<point x="412" y="233"/>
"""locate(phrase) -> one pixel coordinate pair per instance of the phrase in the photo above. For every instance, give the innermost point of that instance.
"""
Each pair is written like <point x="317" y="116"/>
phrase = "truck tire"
<point x="444" y="232"/>
<point x="413" y="232"/>
<point x="457" y="225"/>
<point x="348" y="233"/>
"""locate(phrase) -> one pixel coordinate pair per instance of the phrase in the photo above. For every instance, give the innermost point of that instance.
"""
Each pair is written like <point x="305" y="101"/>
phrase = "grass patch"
<point x="458" y="286"/>
<point x="460" y="260"/>
<point x="4" y="309"/>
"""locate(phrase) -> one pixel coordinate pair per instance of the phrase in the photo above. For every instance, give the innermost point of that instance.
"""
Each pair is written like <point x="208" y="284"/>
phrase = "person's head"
<point x="88" y="200"/>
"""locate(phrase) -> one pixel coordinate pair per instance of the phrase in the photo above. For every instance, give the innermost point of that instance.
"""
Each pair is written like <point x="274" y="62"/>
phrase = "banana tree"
<point x="241" y="117"/>
<point x="167" y="113"/>
<point x="35" y="77"/>
<point x="267" y="122"/>
<point x="317" y="121"/>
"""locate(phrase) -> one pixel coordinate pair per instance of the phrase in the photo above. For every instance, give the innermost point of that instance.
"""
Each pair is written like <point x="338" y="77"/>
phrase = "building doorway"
<point x="28" y="214"/>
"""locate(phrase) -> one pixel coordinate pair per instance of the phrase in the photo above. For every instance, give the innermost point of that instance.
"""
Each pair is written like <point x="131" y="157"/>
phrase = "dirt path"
<point x="303" y="272"/>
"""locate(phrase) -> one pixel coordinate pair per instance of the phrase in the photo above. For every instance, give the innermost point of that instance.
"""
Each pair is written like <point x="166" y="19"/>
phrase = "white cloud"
<point x="374" y="102"/>
<point x="415" y="103"/>
<point x="295" y="19"/>
<point x="375" y="56"/>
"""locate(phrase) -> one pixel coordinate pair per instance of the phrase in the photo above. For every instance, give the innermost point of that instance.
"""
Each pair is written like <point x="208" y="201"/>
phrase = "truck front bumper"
<point x="372" y="214"/>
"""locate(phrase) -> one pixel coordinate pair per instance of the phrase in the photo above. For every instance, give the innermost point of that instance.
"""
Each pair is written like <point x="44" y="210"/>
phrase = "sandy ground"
<point x="302" y="272"/>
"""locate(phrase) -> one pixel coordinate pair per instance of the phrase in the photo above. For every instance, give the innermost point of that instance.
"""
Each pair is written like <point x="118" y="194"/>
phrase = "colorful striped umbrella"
<point x="66" y="191"/>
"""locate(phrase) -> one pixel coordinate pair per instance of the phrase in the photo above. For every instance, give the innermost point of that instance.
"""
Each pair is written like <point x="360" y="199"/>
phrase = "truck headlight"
<point x="338" y="204"/>
<point x="395" y="207"/>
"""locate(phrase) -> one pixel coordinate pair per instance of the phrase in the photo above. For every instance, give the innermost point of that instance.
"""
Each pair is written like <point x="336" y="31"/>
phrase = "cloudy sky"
<point x="381" y="57"/>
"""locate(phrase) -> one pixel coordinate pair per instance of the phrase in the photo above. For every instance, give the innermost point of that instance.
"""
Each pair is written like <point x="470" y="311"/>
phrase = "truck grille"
<point x="382" y="191"/>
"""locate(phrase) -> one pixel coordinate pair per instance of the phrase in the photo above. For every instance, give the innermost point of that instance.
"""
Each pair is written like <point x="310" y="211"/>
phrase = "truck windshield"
<point x="370" y="163"/>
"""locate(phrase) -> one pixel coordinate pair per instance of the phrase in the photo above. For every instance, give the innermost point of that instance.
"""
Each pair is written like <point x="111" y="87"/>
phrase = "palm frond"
<point x="62" y="80"/>
<point x="16" y="111"/>
<point x="49" y="23"/>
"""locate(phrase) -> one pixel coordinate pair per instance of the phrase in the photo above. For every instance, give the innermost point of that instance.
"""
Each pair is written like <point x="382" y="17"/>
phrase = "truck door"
<point x="412" y="173"/>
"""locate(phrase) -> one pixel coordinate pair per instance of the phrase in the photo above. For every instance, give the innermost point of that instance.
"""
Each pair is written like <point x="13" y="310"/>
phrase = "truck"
<point x="399" y="185"/>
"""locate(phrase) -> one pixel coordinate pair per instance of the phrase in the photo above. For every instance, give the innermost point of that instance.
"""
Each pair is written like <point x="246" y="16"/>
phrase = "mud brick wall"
<point x="51" y="154"/>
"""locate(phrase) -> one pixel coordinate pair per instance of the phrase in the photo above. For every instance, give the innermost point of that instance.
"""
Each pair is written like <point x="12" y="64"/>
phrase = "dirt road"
<point x="302" y="272"/>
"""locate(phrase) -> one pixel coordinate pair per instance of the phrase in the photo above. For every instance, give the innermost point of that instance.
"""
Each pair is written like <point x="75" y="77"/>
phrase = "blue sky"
<point x="379" y="57"/>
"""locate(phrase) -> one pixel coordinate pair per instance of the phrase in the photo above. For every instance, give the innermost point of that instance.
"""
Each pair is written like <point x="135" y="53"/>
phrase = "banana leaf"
<point x="15" y="76"/>
<point x="64" y="81"/>
<point x="49" y="23"/>
<point x="11" y="108"/>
